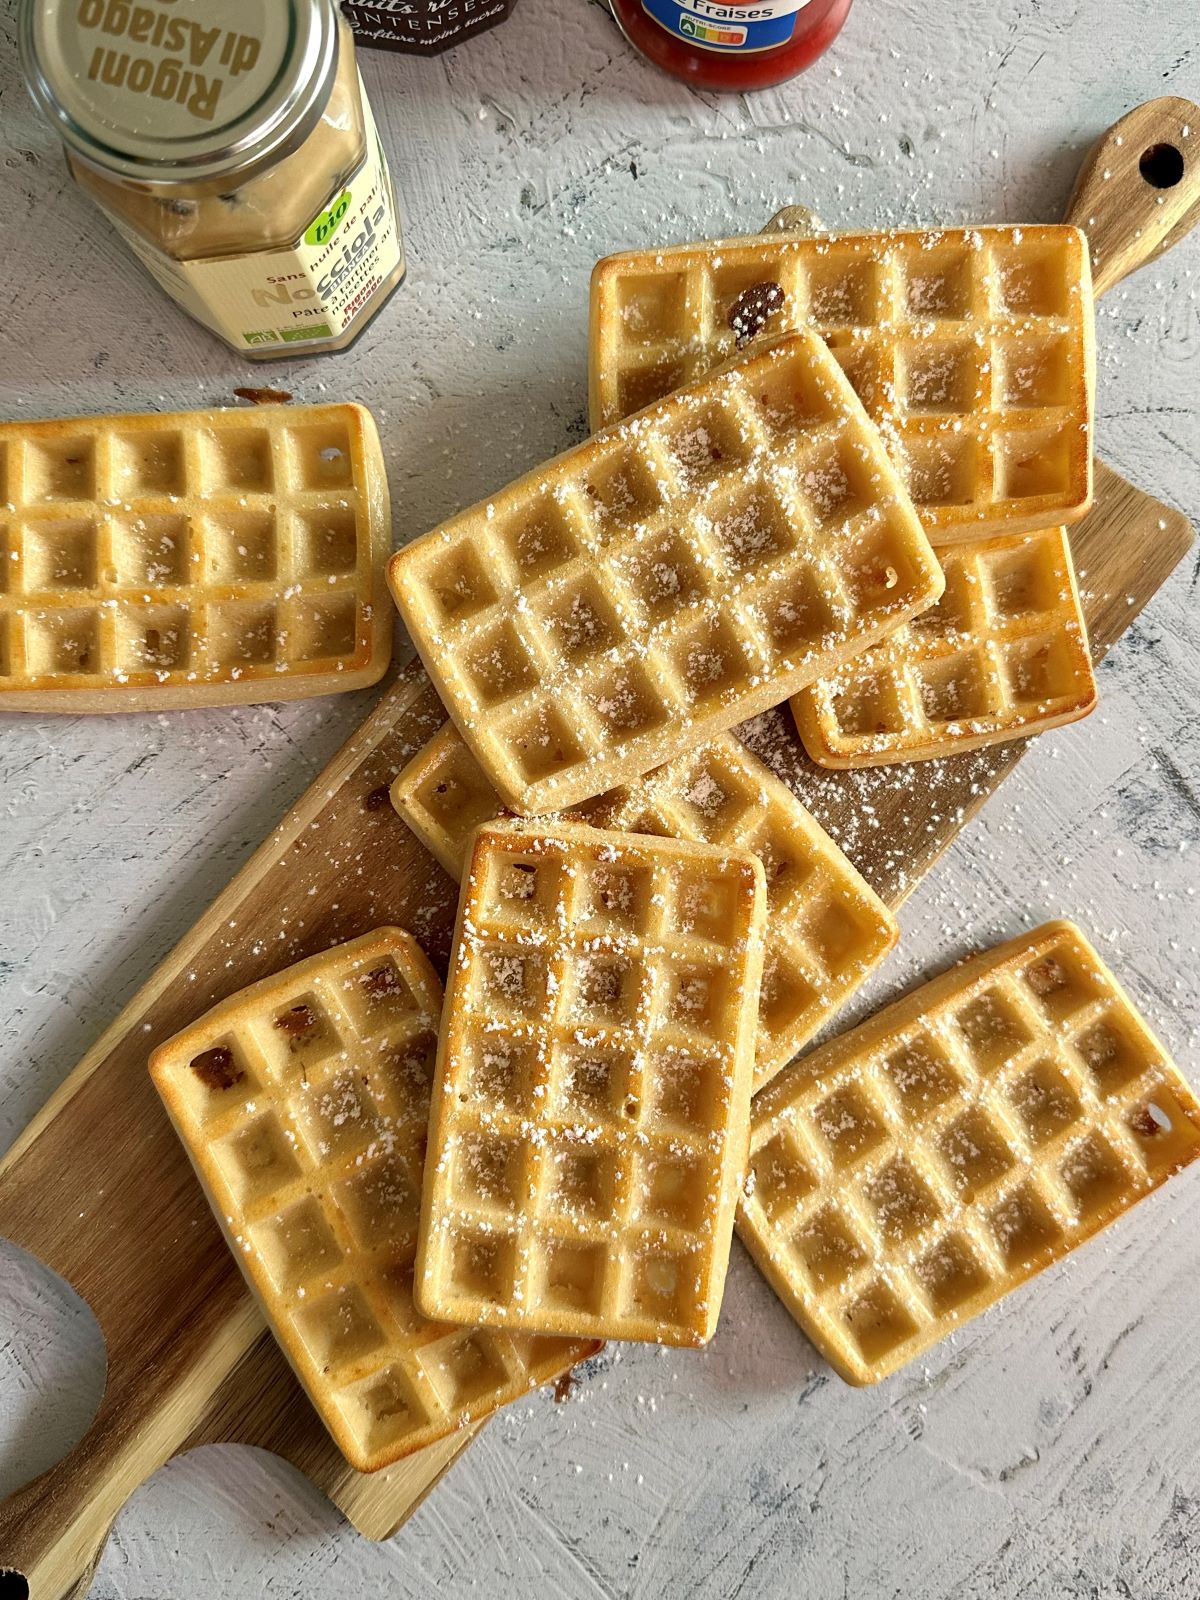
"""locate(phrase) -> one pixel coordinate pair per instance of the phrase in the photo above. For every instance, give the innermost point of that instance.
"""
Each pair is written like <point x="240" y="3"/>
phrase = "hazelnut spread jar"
<point x="231" y="144"/>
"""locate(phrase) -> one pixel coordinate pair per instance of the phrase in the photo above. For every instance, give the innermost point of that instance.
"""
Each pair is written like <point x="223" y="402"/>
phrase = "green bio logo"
<point x="326" y="225"/>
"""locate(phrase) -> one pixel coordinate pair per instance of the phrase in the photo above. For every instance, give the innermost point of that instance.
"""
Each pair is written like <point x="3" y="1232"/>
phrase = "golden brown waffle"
<point x="1003" y="654"/>
<point x="670" y="577"/>
<point x="192" y="558"/>
<point x="303" y="1102"/>
<point x="972" y="348"/>
<point x="826" y="931"/>
<point x="907" y="1175"/>
<point x="592" y="1091"/>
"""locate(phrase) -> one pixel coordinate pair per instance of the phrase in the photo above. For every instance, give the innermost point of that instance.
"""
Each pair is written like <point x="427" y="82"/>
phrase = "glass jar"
<point x="231" y="144"/>
<point x="732" y="44"/>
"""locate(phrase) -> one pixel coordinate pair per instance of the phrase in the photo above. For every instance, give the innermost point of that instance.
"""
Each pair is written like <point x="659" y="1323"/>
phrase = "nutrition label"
<point x="712" y="26"/>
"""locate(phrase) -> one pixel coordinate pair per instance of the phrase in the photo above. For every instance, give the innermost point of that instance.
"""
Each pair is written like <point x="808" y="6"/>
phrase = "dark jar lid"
<point x="422" y="27"/>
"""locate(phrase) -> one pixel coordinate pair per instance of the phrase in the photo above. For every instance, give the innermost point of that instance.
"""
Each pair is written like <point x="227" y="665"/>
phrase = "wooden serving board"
<point x="99" y="1188"/>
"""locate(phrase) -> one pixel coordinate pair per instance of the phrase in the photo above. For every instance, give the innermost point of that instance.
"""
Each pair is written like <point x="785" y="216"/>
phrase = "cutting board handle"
<point x="53" y="1531"/>
<point x="799" y="220"/>
<point x="1138" y="191"/>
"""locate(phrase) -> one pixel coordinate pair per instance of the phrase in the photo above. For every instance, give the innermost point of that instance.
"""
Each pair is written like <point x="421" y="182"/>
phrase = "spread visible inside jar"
<point x="220" y="217"/>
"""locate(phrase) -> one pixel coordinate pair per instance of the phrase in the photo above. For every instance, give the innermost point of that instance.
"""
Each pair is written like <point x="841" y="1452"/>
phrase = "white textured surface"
<point x="1050" y="1448"/>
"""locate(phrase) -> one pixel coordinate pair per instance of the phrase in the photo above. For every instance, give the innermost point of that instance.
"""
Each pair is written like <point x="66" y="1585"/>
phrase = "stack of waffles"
<point x="972" y="351"/>
<point x="845" y="483"/>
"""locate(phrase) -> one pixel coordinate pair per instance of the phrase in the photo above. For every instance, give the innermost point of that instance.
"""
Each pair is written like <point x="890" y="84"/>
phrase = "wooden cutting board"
<point x="99" y="1188"/>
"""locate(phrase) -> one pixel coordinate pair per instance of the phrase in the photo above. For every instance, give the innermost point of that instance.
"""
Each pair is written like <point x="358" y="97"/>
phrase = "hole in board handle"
<point x="1162" y="166"/>
<point x="13" y="1586"/>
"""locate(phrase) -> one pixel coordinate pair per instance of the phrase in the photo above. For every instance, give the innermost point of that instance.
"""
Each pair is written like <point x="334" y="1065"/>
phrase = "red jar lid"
<point x="422" y="27"/>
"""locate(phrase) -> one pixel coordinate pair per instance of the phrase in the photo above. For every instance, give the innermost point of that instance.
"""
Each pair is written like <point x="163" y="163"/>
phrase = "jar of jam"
<point x="732" y="44"/>
<point x="231" y="144"/>
<point x="423" y="27"/>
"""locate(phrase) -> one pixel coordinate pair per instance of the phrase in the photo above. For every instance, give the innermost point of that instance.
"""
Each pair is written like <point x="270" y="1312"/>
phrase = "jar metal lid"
<point x="177" y="90"/>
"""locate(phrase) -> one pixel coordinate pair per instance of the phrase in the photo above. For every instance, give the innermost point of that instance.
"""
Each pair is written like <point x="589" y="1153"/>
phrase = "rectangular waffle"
<point x="1003" y="654"/>
<point x="303" y="1102"/>
<point x="592" y="1090"/>
<point x="972" y="348"/>
<point x="910" y="1173"/>
<point x="826" y="930"/>
<point x="668" y="578"/>
<point x="191" y="558"/>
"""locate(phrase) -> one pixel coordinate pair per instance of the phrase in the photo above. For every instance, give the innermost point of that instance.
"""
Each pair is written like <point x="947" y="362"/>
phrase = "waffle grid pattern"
<point x="910" y="1173"/>
<point x="154" y="558"/>
<point x="972" y="349"/>
<point x="1003" y="654"/>
<point x="826" y="929"/>
<point x="303" y="1103"/>
<point x="665" y="580"/>
<point x="593" y="1085"/>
